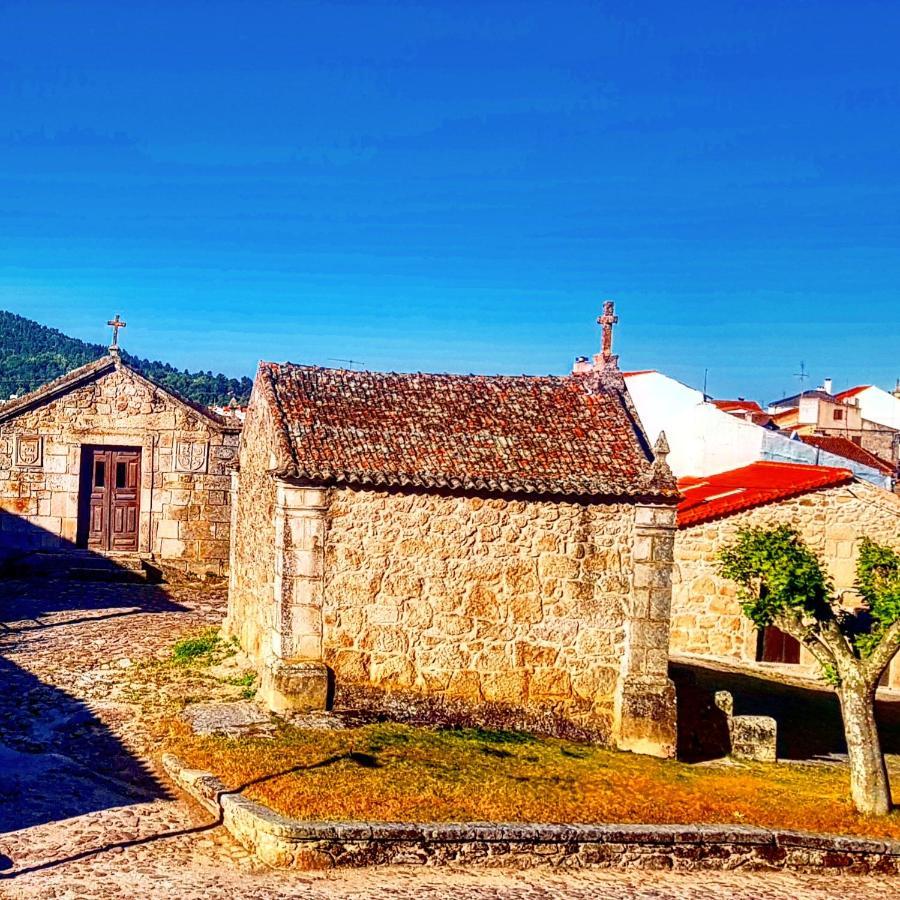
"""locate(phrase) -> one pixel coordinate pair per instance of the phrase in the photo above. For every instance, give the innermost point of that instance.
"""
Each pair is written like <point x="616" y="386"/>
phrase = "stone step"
<point x="82" y="565"/>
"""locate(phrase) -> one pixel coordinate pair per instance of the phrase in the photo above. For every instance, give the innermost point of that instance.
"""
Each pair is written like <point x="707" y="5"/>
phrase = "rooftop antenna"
<point x="802" y="375"/>
<point x="350" y="362"/>
<point x="705" y="378"/>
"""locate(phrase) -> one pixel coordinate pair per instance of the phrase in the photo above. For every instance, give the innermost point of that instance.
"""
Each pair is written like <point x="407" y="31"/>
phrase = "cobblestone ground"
<point x="83" y="814"/>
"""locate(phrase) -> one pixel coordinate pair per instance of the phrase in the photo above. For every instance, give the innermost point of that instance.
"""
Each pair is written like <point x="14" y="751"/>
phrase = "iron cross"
<point x="115" y="324"/>
<point x="606" y="321"/>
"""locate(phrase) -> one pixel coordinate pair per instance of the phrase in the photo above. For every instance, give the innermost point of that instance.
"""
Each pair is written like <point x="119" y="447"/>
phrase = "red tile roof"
<point x="758" y="484"/>
<point x="537" y="435"/>
<point x="852" y="392"/>
<point x="744" y="405"/>
<point x="840" y="446"/>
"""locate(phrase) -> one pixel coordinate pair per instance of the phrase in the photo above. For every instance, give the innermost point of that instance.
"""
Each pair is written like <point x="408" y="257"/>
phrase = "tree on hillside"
<point x="32" y="354"/>
<point x="783" y="583"/>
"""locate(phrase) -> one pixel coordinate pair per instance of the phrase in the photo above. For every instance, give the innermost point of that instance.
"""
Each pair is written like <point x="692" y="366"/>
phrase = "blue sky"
<point x="457" y="186"/>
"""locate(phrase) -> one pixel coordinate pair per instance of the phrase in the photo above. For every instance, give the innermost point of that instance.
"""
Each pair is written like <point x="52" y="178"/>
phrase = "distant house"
<point x="746" y="410"/>
<point x="818" y="412"/>
<point x="706" y="439"/>
<point x="831" y="509"/>
<point x="493" y="548"/>
<point x="880" y="413"/>
<point x="849" y="449"/>
<point x="866" y="415"/>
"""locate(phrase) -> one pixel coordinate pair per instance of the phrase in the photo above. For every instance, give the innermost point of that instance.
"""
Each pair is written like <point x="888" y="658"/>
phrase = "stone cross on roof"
<point x="115" y="324"/>
<point x="607" y="321"/>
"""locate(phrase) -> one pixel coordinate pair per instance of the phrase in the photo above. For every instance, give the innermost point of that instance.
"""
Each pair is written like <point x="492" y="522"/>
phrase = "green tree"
<point x="783" y="583"/>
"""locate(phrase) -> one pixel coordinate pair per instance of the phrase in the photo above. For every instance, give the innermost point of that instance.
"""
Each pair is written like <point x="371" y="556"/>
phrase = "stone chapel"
<point x="493" y="548"/>
<point x="104" y="461"/>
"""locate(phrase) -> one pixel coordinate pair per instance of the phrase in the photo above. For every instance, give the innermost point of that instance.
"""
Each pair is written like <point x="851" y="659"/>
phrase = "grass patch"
<point x="247" y="681"/>
<point x="196" y="649"/>
<point x="201" y="649"/>
<point x="393" y="772"/>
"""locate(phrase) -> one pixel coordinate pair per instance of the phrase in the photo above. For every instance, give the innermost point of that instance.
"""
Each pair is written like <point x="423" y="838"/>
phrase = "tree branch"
<point x="791" y="622"/>
<point x="884" y="651"/>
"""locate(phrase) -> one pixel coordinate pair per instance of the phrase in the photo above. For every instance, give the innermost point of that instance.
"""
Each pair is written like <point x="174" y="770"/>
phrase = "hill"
<point x="32" y="354"/>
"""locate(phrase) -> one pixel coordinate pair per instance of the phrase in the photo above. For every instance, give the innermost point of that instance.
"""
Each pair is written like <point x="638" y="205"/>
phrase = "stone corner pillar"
<point x="228" y="626"/>
<point x="645" y="711"/>
<point x="294" y="676"/>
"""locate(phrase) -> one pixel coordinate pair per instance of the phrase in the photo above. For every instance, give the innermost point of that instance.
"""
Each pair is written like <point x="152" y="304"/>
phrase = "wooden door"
<point x="110" y="498"/>
<point x="777" y="647"/>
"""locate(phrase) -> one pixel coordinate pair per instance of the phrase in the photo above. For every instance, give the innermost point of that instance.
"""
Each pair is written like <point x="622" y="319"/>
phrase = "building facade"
<point x="104" y="460"/>
<point x="492" y="549"/>
<point x="832" y="511"/>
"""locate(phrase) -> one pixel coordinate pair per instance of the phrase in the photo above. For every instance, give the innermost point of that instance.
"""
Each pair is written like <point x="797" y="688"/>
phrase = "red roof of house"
<point x="841" y="446"/>
<point x="852" y="392"/>
<point x="745" y="405"/>
<point x="758" y="484"/>
<point x="518" y="434"/>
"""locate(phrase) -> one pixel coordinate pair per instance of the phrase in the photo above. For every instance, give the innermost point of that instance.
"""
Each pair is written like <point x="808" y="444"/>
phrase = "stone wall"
<point x="510" y="602"/>
<point x="706" y="616"/>
<point x="184" y="506"/>
<point x="880" y="440"/>
<point x="251" y="605"/>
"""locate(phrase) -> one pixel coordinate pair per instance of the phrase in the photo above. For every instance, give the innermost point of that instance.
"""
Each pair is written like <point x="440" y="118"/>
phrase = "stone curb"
<point x="282" y="842"/>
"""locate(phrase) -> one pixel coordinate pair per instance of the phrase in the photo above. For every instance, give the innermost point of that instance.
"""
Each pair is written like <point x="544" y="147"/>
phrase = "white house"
<point x="875" y="404"/>
<point x="705" y="440"/>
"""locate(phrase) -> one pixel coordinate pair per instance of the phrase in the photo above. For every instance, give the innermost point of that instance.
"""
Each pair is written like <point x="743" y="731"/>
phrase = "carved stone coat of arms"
<point x="191" y="456"/>
<point x="29" y="451"/>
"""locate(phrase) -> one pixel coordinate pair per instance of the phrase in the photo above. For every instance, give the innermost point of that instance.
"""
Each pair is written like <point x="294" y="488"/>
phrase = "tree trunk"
<point x="869" y="785"/>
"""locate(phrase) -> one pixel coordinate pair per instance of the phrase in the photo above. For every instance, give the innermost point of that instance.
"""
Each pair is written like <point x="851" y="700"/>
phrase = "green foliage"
<point x="878" y="581"/>
<point x="777" y="573"/>
<point x="197" y="649"/>
<point x="32" y="354"/>
<point x="247" y="682"/>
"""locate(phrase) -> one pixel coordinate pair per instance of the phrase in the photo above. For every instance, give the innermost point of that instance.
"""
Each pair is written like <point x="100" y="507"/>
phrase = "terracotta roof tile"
<point x="758" y="484"/>
<point x="841" y="446"/>
<point x="852" y="392"/>
<point x="743" y="405"/>
<point x="494" y="433"/>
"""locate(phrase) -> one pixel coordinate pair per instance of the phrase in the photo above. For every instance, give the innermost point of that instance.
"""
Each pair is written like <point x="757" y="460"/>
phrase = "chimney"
<point x="896" y="391"/>
<point x="827" y="385"/>
<point x="582" y="366"/>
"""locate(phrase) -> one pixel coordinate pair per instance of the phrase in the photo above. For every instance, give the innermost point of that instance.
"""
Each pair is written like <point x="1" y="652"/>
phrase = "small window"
<point x="857" y="440"/>
<point x="121" y="474"/>
<point x="99" y="473"/>
<point x="838" y="415"/>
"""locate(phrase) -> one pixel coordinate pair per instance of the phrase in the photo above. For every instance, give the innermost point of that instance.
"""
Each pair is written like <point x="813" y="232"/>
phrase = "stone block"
<point x="294" y="686"/>
<point x="505" y="687"/>
<point x="754" y="738"/>
<point x="644" y="719"/>
<point x="172" y="548"/>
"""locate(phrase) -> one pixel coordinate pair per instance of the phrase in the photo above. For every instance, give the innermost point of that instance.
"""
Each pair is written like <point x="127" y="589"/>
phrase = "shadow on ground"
<point x="57" y="759"/>
<point x="809" y="719"/>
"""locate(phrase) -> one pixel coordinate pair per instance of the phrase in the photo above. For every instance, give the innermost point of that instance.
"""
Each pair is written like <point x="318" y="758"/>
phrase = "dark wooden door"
<point x="777" y="647"/>
<point x="110" y="498"/>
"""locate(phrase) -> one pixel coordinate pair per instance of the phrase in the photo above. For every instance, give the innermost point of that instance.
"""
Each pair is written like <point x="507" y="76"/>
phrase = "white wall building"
<point x="705" y="440"/>
<point x="875" y="404"/>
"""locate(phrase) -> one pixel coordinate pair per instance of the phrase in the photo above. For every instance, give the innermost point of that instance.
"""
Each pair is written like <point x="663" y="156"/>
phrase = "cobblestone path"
<point x="84" y="815"/>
